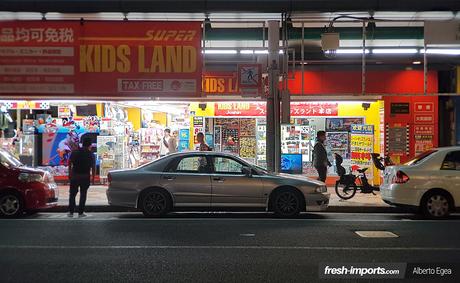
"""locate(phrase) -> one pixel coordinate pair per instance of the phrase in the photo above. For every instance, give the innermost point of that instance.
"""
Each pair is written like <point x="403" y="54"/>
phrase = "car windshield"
<point x="419" y="158"/>
<point x="8" y="160"/>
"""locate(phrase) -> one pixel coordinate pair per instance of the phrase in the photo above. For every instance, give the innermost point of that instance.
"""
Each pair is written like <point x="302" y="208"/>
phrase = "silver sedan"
<point x="213" y="181"/>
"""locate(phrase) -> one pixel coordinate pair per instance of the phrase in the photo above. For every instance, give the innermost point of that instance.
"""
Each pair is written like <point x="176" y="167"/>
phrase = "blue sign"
<point x="362" y="129"/>
<point x="184" y="134"/>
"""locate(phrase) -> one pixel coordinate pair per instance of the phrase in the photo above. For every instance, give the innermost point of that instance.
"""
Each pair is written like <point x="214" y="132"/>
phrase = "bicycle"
<point x="348" y="184"/>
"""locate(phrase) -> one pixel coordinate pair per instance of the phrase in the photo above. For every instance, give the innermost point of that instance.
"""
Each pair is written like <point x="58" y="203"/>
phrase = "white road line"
<point x="12" y="247"/>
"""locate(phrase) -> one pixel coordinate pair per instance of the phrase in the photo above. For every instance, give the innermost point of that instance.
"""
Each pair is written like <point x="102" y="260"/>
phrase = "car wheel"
<point x="345" y="191"/>
<point x="287" y="203"/>
<point x="155" y="203"/>
<point x="11" y="205"/>
<point x="436" y="205"/>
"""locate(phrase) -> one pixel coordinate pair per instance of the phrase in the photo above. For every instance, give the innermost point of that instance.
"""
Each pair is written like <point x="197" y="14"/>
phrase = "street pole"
<point x="273" y="101"/>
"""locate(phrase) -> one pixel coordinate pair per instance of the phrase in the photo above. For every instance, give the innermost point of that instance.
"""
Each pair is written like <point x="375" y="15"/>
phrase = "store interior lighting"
<point x="395" y="51"/>
<point x="220" y="51"/>
<point x="351" y="51"/>
<point x="345" y="51"/>
<point x="440" y="51"/>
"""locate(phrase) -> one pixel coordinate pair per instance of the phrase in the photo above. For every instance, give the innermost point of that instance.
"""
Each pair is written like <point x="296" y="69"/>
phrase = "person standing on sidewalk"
<point x="82" y="167"/>
<point x="320" y="160"/>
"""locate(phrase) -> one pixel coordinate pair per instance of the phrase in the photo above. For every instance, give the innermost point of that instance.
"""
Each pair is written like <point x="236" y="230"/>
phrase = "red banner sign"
<point x="314" y="109"/>
<point x="248" y="109"/>
<point x="96" y="58"/>
<point x="298" y="109"/>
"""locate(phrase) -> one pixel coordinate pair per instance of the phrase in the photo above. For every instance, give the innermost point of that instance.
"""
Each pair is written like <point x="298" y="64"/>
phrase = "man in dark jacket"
<point x="81" y="168"/>
<point x="320" y="160"/>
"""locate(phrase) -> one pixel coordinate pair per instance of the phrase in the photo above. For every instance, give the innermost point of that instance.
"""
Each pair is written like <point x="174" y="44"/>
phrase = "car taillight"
<point x="109" y="178"/>
<point x="400" y="178"/>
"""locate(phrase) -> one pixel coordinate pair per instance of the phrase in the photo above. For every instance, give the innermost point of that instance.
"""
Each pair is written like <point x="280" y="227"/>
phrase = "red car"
<point x="24" y="189"/>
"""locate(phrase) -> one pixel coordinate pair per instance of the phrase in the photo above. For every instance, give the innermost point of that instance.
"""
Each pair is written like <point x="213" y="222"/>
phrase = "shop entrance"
<point x="128" y="134"/>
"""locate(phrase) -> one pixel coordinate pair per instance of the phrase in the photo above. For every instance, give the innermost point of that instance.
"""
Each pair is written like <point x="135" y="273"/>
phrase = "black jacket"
<point x="320" y="155"/>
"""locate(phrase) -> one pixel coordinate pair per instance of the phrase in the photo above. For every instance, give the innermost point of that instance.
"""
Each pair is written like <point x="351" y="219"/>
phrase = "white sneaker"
<point x="82" y="215"/>
<point x="69" y="214"/>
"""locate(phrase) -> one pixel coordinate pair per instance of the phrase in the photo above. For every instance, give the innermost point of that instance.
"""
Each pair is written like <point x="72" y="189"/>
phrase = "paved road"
<point x="217" y="247"/>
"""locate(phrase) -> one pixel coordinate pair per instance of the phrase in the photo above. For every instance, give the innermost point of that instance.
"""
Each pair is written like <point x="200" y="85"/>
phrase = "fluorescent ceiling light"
<point x="417" y="62"/>
<point x="441" y="51"/>
<point x="395" y="51"/>
<point x="351" y="51"/>
<point x="222" y="51"/>
<point x="263" y="51"/>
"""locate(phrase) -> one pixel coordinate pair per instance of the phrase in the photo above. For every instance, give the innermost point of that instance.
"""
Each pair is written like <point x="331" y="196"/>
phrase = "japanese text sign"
<point x="100" y="58"/>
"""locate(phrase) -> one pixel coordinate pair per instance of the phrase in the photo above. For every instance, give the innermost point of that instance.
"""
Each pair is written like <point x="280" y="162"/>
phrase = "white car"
<point x="431" y="182"/>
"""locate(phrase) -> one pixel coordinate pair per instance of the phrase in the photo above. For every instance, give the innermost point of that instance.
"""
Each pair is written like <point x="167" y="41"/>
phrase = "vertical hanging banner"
<point x="100" y="58"/>
<point x="361" y="146"/>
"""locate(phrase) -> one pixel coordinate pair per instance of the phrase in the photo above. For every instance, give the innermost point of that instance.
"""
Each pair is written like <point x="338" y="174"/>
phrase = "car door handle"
<point x="169" y="178"/>
<point x="218" y="179"/>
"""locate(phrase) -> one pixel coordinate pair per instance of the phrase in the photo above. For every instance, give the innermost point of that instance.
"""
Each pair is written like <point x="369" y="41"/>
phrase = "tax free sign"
<point x="103" y="59"/>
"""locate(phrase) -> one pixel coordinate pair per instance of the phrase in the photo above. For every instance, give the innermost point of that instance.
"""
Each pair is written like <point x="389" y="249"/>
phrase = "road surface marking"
<point x="200" y="219"/>
<point x="12" y="247"/>
<point x="376" y="234"/>
<point x="248" y="235"/>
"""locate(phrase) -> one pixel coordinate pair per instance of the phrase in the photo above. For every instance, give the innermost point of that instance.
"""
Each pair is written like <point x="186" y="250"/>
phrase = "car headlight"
<point x="321" y="189"/>
<point x="30" y="177"/>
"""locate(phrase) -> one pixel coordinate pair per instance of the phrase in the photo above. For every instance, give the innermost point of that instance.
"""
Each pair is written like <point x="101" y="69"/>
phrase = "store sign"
<point x="427" y="107"/>
<point x="249" y="109"/>
<point x="424" y="130"/>
<point x="246" y="82"/>
<point x="221" y="83"/>
<point x="424" y="118"/>
<point x="314" y="109"/>
<point x="298" y="109"/>
<point x="100" y="58"/>
<point x="399" y="108"/>
<point x="362" y="129"/>
<point x="361" y="147"/>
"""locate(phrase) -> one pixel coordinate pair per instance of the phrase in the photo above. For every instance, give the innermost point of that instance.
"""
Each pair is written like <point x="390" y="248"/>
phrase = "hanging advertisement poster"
<point x="106" y="153"/>
<point x="100" y="58"/>
<point x="106" y="147"/>
<point x="361" y="146"/>
<point x="342" y="124"/>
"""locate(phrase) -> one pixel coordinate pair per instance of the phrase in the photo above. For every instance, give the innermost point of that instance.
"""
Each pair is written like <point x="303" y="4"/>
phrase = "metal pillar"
<point x="273" y="101"/>
<point x="363" y="62"/>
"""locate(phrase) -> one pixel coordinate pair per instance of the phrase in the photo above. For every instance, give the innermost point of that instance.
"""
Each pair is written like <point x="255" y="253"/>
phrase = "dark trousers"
<point x="322" y="173"/>
<point x="83" y="185"/>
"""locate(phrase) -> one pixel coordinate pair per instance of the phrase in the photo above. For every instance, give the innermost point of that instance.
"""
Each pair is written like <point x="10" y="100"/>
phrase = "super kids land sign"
<point x="100" y="58"/>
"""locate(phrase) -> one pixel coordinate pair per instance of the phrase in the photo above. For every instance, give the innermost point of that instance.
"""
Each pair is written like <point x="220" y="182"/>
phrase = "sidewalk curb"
<point x="332" y="209"/>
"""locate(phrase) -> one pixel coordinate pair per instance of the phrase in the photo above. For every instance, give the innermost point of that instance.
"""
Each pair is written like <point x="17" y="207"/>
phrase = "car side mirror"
<point x="247" y="171"/>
